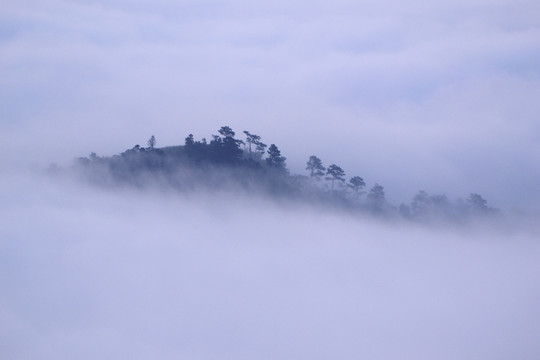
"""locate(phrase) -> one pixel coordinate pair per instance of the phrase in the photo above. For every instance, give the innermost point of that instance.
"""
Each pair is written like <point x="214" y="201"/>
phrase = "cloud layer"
<point x="140" y="275"/>
<point x="439" y="95"/>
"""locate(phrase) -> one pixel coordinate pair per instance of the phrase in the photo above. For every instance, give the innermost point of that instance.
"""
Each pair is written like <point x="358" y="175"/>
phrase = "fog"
<point x="94" y="273"/>
<point x="440" y="96"/>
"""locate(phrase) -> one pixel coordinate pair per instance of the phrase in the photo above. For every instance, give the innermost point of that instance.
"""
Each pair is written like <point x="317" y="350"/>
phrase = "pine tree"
<point x="274" y="158"/>
<point x="152" y="142"/>
<point x="336" y="173"/>
<point x="315" y="167"/>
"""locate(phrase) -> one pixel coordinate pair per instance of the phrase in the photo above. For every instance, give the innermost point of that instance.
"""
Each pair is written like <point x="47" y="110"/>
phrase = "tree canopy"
<point x="226" y="160"/>
<point x="335" y="174"/>
<point x="152" y="142"/>
<point x="356" y="183"/>
<point x="315" y="167"/>
<point x="274" y="159"/>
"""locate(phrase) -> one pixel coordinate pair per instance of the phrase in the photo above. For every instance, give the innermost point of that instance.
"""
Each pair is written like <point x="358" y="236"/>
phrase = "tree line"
<point x="251" y="164"/>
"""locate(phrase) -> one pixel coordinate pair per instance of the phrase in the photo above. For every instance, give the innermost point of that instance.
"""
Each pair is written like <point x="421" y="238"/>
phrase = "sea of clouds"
<point x="440" y="96"/>
<point x="92" y="273"/>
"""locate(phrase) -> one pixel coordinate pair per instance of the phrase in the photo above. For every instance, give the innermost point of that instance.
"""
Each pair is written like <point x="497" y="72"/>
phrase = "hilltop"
<point x="250" y="166"/>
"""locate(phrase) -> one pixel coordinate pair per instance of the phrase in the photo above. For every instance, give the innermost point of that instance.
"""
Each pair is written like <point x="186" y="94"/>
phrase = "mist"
<point x="89" y="272"/>
<point x="439" y="96"/>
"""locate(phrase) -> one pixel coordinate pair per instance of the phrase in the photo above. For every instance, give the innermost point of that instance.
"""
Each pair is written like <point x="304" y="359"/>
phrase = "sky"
<point x="440" y="96"/>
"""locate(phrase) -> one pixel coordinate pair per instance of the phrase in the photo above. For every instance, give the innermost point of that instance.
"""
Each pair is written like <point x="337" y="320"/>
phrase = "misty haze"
<point x="270" y="180"/>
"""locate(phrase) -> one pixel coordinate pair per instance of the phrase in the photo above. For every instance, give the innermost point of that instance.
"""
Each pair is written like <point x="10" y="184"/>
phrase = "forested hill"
<point x="249" y="165"/>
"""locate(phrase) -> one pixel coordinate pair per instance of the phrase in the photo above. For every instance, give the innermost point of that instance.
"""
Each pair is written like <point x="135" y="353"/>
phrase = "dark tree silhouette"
<point x="376" y="193"/>
<point x="189" y="140"/>
<point x="152" y="142"/>
<point x="195" y="150"/>
<point x="226" y="132"/>
<point x="274" y="159"/>
<point x="376" y="197"/>
<point x="198" y="163"/>
<point x="356" y="183"/>
<point x="254" y="141"/>
<point x="422" y="206"/>
<point x="260" y="148"/>
<point x="336" y="173"/>
<point x="315" y="167"/>
<point x="477" y="203"/>
<point x="226" y="149"/>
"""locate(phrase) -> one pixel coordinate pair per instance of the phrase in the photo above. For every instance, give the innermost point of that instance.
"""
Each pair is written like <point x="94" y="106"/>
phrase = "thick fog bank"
<point x="93" y="274"/>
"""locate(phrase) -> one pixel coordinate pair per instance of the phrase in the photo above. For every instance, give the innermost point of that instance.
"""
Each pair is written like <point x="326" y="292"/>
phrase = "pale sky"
<point x="433" y="95"/>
